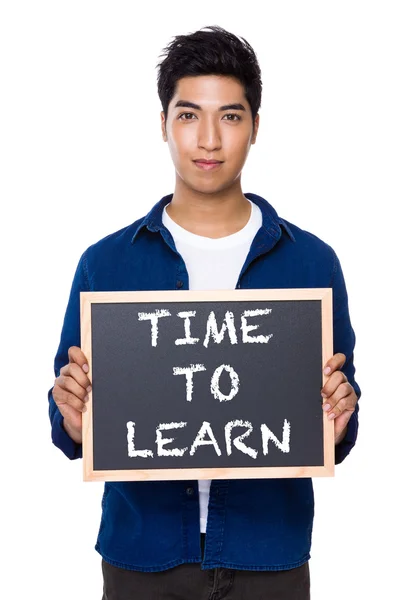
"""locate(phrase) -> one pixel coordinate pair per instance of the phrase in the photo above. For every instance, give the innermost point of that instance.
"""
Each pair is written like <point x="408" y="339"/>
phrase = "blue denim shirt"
<point x="255" y="524"/>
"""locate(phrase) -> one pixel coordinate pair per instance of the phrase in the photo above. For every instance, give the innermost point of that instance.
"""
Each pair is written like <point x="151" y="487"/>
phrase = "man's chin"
<point x="208" y="188"/>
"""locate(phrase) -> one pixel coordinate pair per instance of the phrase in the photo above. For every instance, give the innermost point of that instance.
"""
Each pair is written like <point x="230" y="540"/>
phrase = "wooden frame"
<point x="89" y="298"/>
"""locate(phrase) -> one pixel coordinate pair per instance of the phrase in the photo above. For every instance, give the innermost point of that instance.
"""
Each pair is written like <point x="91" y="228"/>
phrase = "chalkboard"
<point x="207" y="385"/>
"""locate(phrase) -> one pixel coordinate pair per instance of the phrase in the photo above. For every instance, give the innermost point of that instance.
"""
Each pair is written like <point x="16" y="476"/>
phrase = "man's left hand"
<point x="339" y="397"/>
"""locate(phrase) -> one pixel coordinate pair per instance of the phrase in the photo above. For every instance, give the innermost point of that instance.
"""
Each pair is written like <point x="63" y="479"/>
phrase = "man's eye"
<point x="238" y="118"/>
<point x="186" y="114"/>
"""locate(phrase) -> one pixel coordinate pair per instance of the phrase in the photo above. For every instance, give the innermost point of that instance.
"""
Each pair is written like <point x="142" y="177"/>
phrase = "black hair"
<point x="213" y="52"/>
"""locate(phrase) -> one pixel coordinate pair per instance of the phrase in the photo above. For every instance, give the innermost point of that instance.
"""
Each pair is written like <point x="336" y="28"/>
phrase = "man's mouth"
<point x="207" y="165"/>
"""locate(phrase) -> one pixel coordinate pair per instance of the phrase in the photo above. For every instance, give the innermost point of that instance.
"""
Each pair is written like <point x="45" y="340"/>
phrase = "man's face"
<point x="202" y="124"/>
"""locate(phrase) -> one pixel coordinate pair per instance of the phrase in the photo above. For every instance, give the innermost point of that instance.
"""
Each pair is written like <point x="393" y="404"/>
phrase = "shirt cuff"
<point x="345" y="446"/>
<point x="62" y="440"/>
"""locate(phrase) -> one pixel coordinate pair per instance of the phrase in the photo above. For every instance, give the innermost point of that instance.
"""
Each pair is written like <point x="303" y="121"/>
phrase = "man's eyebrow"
<point x="187" y="104"/>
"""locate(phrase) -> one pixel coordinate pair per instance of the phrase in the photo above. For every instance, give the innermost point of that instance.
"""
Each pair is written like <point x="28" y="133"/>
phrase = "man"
<point x="233" y="539"/>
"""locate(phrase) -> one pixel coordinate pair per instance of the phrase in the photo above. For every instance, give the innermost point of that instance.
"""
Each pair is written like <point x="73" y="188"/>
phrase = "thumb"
<point x="341" y="421"/>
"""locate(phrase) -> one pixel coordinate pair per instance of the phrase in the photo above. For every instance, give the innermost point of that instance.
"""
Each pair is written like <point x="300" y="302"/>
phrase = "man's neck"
<point x="210" y="215"/>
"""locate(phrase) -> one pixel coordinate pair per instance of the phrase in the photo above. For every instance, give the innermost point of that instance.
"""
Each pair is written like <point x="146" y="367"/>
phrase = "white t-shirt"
<point x="213" y="264"/>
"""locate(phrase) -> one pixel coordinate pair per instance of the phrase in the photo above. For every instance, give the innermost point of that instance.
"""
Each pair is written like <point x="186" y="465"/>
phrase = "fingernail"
<point x="85" y="368"/>
<point x="86" y="397"/>
<point x="324" y="395"/>
<point x="327" y="370"/>
<point x="331" y="416"/>
<point x="89" y="389"/>
<point x="326" y="407"/>
<point x="84" y="408"/>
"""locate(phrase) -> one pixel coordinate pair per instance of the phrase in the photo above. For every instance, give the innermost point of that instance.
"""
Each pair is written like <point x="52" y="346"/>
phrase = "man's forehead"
<point x="210" y="90"/>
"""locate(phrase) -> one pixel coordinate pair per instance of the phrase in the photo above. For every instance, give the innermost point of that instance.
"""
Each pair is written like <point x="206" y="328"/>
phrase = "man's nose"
<point x="209" y="136"/>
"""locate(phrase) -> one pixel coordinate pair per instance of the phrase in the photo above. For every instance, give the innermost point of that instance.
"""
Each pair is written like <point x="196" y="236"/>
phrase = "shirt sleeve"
<point x="344" y="341"/>
<point x="70" y="336"/>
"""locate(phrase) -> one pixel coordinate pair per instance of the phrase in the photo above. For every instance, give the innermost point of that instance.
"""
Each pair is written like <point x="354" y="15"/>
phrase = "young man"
<point x="232" y="539"/>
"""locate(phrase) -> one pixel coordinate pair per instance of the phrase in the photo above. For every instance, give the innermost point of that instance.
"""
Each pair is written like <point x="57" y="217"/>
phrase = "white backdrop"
<point x="82" y="156"/>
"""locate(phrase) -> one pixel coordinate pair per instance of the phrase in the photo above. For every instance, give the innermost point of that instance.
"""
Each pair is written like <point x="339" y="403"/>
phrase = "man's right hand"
<point x="70" y="392"/>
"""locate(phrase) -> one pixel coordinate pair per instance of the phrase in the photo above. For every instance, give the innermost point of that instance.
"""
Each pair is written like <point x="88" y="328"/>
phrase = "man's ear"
<point x="255" y="129"/>
<point x="163" y="126"/>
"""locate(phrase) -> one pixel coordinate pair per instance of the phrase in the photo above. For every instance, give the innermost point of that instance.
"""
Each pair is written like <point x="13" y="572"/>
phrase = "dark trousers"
<point x="190" y="582"/>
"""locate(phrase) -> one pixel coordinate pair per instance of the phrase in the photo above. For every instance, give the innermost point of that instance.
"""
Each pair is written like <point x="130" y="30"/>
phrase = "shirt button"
<point x="180" y="283"/>
<point x="189" y="491"/>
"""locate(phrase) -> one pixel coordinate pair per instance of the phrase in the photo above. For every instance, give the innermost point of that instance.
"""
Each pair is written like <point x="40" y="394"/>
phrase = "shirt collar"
<point x="270" y="219"/>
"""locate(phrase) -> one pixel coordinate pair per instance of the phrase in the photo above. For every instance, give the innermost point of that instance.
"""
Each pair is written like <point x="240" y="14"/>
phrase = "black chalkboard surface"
<point x="194" y="385"/>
